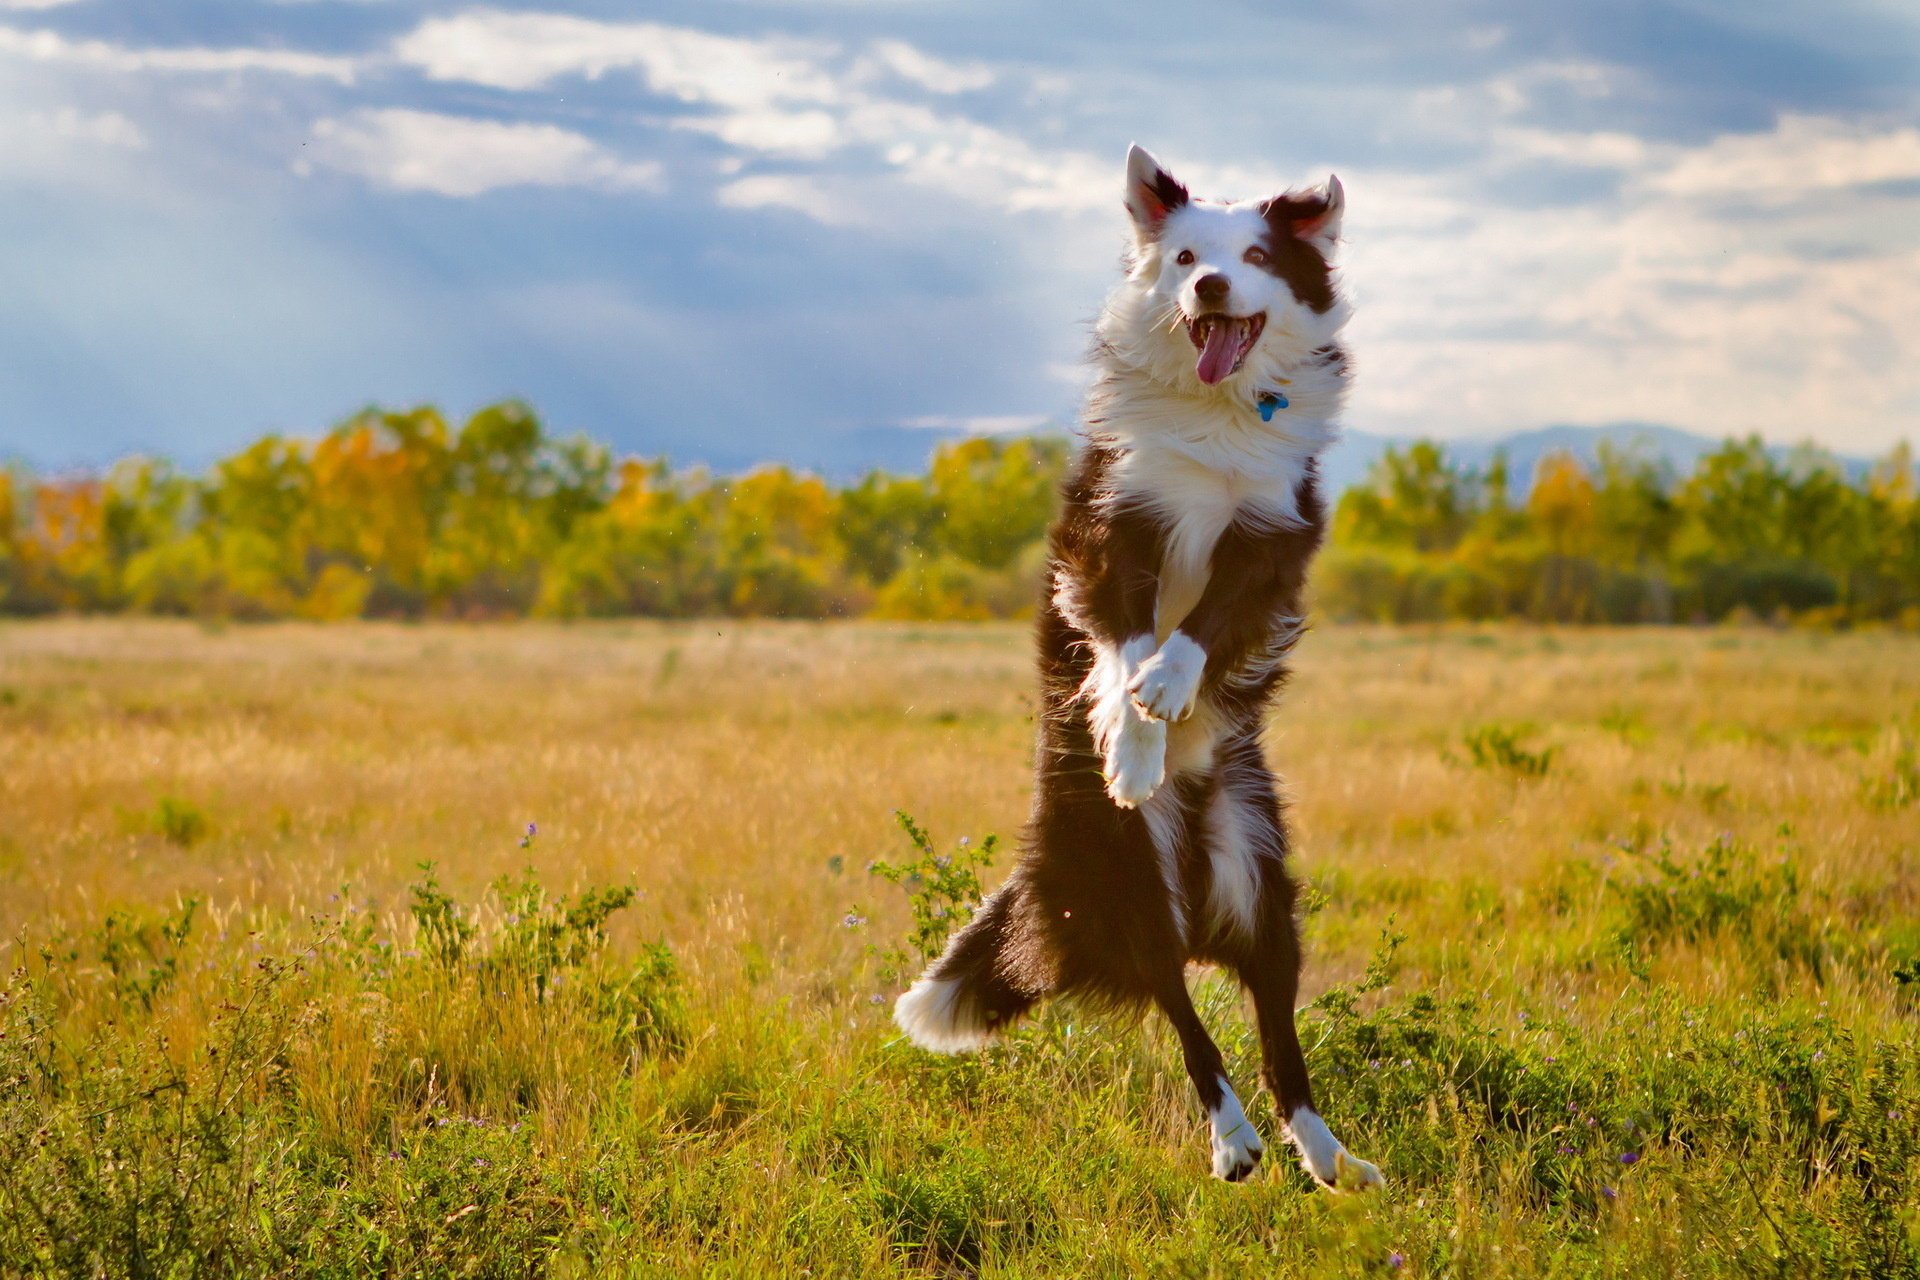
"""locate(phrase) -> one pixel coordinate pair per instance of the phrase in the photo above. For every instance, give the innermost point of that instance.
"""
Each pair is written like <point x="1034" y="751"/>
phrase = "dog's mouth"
<point x="1224" y="342"/>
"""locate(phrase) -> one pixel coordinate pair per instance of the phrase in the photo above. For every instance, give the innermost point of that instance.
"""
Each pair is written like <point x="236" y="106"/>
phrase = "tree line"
<point x="400" y="514"/>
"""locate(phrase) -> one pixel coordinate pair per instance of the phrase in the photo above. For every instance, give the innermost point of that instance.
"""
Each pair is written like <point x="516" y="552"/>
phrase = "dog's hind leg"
<point x="971" y="993"/>
<point x="1269" y="965"/>
<point x="1236" y="1146"/>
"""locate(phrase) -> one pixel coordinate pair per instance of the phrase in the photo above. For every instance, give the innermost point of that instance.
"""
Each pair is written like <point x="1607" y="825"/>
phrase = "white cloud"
<point x="1603" y="150"/>
<point x="33" y="6"/>
<point x="774" y="97"/>
<point x="460" y="156"/>
<point x="108" y="128"/>
<point x="51" y="47"/>
<point x="530" y="50"/>
<point x="790" y="191"/>
<point x="989" y="425"/>
<point x="925" y="70"/>
<point x="1656" y="305"/>
<point x="1803" y="155"/>
<point x="772" y="130"/>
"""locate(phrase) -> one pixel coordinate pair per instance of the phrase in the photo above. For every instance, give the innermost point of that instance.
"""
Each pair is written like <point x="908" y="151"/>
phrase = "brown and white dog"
<point x="1157" y="837"/>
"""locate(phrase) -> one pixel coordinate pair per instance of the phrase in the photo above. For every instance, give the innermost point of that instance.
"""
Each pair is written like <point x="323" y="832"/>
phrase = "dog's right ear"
<point x="1152" y="192"/>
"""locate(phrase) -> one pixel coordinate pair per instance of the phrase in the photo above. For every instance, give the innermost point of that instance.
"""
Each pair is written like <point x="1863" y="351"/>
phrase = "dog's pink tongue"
<point x="1217" y="357"/>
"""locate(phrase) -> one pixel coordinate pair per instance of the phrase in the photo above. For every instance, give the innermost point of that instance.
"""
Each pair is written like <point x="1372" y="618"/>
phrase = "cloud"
<point x="789" y="191"/>
<point x="1801" y="156"/>
<point x="108" y="128"/>
<point x="925" y="70"/>
<point x="525" y="51"/>
<point x="51" y="47"/>
<point x="29" y="6"/>
<point x="1670" y="301"/>
<point x="989" y="425"/>
<point x="1602" y="150"/>
<point x="775" y="97"/>
<point x="459" y="156"/>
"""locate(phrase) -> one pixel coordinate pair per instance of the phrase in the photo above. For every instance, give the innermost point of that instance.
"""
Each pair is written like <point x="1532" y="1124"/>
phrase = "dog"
<point x="1175" y="575"/>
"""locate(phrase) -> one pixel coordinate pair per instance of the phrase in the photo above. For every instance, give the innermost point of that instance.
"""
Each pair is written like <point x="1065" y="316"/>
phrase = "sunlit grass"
<point x="1654" y="1011"/>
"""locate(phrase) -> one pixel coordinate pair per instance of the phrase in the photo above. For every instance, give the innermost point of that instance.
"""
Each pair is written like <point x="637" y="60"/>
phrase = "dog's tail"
<point x="980" y="985"/>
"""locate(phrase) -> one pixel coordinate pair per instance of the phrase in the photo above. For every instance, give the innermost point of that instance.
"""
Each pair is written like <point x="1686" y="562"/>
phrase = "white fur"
<point x="1236" y="1146"/>
<point x="1235" y="849"/>
<point x="1166" y="826"/>
<point x="1322" y="1155"/>
<point x="1167" y="684"/>
<point x="1133" y="749"/>
<point x="930" y="1013"/>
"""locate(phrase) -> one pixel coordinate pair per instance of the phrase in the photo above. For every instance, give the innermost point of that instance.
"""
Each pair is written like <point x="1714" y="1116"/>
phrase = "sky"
<point x="732" y="231"/>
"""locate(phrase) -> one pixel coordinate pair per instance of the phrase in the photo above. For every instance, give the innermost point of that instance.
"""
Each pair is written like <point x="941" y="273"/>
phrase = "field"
<point x="1614" y="960"/>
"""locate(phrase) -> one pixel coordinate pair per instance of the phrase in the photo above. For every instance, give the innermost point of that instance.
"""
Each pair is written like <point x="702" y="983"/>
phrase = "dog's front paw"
<point x="1168" y="683"/>
<point x="1136" y="762"/>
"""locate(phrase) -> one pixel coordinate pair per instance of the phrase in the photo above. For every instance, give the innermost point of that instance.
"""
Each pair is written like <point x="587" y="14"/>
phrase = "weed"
<point x="142" y="955"/>
<point x="1497" y="748"/>
<point x="943" y="891"/>
<point x="179" y="821"/>
<point x="1726" y="890"/>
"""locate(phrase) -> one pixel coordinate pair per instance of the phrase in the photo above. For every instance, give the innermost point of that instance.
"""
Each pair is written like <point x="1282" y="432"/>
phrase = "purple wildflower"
<point x="1609" y="1193"/>
<point x="1629" y="1157"/>
<point x="1396" y="1260"/>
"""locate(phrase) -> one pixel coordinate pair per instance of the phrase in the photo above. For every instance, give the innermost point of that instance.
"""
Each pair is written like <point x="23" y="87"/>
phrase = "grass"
<point x="1646" y="1008"/>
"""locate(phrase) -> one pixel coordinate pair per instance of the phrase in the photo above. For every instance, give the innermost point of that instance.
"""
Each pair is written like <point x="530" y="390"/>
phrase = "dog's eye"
<point x="1185" y="258"/>
<point x="1256" y="256"/>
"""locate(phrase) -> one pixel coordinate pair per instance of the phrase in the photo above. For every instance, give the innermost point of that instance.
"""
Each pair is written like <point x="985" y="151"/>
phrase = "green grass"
<point x="1593" y="1024"/>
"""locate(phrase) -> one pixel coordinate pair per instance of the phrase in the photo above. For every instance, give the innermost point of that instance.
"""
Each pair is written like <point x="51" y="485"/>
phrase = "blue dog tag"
<point x="1269" y="402"/>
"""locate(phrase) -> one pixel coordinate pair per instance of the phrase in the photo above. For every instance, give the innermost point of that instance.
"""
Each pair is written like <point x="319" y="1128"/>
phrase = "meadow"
<point x="537" y="948"/>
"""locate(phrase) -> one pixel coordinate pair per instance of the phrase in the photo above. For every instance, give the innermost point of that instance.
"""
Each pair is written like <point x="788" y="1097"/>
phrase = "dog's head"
<point x="1217" y="291"/>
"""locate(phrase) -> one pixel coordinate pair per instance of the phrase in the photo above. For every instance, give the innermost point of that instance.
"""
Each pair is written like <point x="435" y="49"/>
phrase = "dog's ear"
<point x="1152" y="192"/>
<point x="1312" y="216"/>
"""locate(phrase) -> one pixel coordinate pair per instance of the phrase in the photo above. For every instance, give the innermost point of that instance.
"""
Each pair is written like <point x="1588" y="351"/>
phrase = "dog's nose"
<point x="1212" y="288"/>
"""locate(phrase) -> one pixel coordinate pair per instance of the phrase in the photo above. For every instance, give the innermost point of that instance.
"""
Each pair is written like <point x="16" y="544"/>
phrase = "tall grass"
<point x="1647" y="1011"/>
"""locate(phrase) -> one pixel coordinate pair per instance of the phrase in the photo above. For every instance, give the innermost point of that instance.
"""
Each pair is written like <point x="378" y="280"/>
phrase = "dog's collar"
<point x="1268" y="402"/>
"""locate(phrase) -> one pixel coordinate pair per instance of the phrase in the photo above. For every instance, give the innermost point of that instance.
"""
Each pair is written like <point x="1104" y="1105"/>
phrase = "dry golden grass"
<point x="719" y="766"/>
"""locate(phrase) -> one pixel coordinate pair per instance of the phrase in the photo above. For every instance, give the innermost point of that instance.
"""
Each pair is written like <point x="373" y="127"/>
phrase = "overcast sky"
<point x="731" y="231"/>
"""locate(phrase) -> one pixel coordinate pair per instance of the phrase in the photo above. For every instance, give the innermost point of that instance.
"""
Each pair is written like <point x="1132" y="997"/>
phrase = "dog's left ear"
<point x="1312" y="216"/>
<point x="1152" y="192"/>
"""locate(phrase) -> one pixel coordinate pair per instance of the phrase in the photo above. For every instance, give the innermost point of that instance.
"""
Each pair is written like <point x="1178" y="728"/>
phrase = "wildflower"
<point x="526" y="841"/>
<point x="1629" y="1157"/>
<point x="1396" y="1260"/>
<point x="876" y="998"/>
<point x="852" y="920"/>
<point x="1609" y="1193"/>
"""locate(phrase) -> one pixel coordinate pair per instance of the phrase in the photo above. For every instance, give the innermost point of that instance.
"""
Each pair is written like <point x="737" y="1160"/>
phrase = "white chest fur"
<point x="1199" y="491"/>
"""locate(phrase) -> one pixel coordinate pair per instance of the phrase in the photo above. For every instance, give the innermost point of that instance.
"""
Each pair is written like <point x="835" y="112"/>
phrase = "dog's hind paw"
<point x="1136" y="762"/>
<point x="1236" y="1147"/>
<point x="1323" y="1156"/>
<point x="1351" y="1173"/>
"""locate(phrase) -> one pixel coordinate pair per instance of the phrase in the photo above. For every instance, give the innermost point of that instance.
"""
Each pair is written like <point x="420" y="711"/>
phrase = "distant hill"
<point x="849" y="455"/>
<point x="1349" y="461"/>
